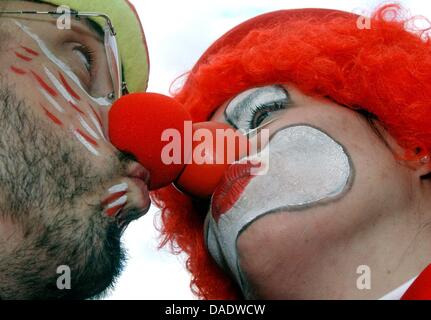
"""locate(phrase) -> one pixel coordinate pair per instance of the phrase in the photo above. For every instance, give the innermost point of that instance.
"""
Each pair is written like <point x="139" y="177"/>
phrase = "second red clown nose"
<point x="159" y="132"/>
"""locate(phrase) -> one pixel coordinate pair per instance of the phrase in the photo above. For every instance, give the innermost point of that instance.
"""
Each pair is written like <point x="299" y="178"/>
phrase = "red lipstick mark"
<point x="17" y="70"/>
<point x="87" y="137"/>
<point x="30" y="51"/>
<point x="52" y="117"/>
<point x="23" y="57"/>
<point x="233" y="183"/>
<point x="74" y="106"/>
<point x="44" y="85"/>
<point x="96" y="115"/>
<point x="68" y="87"/>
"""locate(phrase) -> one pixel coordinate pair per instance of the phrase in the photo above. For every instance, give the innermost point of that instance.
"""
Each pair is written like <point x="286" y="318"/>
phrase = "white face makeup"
<point x="306" y="168"/>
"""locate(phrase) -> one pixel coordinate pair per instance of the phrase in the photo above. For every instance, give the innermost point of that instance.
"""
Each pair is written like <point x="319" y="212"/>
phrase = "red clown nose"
<point x="158" y="131"/>
<point x="215" y="147"/>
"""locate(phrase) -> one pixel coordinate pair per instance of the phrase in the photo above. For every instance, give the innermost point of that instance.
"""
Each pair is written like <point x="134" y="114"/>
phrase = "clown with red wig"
<point x="343" y="208"/>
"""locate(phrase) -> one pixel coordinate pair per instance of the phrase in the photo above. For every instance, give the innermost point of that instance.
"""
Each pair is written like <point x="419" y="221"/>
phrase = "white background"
<point x="177" y="33"/>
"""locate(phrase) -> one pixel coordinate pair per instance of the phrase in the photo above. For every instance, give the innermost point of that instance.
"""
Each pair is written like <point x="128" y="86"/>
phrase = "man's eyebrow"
<point x="93" y="26"/>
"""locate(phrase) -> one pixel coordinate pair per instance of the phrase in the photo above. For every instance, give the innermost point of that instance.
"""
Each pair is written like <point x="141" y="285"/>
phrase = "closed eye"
<point x="86" y="56"/>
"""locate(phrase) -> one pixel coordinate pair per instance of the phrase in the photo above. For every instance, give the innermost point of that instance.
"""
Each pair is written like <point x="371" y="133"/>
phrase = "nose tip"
<point x="215" y="147"/>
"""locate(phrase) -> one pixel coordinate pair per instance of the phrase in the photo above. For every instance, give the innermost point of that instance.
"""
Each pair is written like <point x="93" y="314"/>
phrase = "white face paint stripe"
<point x="66" y="95"/>
<point x="85" y="143"/>
<point x="60" y="64"/>
<point x="97" y="125"/>
<point x="52" y="101"/>
<point x="119" y="188"/>
<point x="59" y="85"/>
<point x="120" y="201"/>
<point x="87" y="127"/>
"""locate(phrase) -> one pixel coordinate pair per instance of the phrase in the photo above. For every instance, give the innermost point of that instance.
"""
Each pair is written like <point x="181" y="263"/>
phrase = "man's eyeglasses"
<point x="110" y="43"/>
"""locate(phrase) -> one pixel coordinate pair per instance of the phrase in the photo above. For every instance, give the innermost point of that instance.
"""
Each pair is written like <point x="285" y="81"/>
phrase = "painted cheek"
<point x="87" y="137"/>
<point x="68" y="87"/>
<point x="24" y="54"/>
<point x="305" y="168"/>
<point x="52" y="117"/>
<point x="99" y="120"/>
<point x="61" y="103"/>
<point x="60" y="65"/>
<point x="74" y="106"/>
<point x="17" y="71"/>
<point x="30" y="51"/>
<point x="23" y="57"/>
<point x="115" y="200"/>
<point x="51" y="90"/>
<point x="44" y="85"/>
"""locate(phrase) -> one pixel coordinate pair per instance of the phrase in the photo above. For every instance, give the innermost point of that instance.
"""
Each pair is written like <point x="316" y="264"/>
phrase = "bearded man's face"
<point x="66" y="194"/>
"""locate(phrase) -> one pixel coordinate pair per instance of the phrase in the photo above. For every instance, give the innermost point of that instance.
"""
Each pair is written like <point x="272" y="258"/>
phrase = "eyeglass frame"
<point x="122" y="90"/>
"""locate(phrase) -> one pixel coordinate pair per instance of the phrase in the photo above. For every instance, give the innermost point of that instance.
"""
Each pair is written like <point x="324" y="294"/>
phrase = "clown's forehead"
<point x="212" y="96"/>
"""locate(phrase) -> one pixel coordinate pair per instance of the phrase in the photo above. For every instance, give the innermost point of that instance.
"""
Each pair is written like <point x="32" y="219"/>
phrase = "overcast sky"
<point x="177" y="33"/>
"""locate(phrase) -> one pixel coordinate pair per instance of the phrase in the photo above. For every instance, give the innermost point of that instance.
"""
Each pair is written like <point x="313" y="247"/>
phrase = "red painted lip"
<point x="232" y="185"/>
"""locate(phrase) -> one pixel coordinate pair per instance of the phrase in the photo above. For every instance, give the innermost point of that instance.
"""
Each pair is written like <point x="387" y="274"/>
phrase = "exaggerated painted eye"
<point x="254" y="107"/>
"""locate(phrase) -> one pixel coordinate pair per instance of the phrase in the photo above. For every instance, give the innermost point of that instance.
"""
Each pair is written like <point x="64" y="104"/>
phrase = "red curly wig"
<point x="383" y="69"/>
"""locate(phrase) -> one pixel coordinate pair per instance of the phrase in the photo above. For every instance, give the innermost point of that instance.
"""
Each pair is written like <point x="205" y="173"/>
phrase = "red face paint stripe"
<point x="69" y="88"/>
<point x="87" y="137"/>
<point x="52" y="117"/>
<point x="44" y="85"/>
<point x="112" y="212"/>
<point x="113" y="197"/>
<point x="32" y="52"/>
<point x="23" y="57"/>
<point x="17" y="70"/>
<point x="74" y="106"/>
<point x="96" y="115"/>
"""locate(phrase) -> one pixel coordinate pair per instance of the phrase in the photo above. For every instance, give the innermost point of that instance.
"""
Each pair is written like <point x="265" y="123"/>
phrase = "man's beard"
<point x="43" y="179"/>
